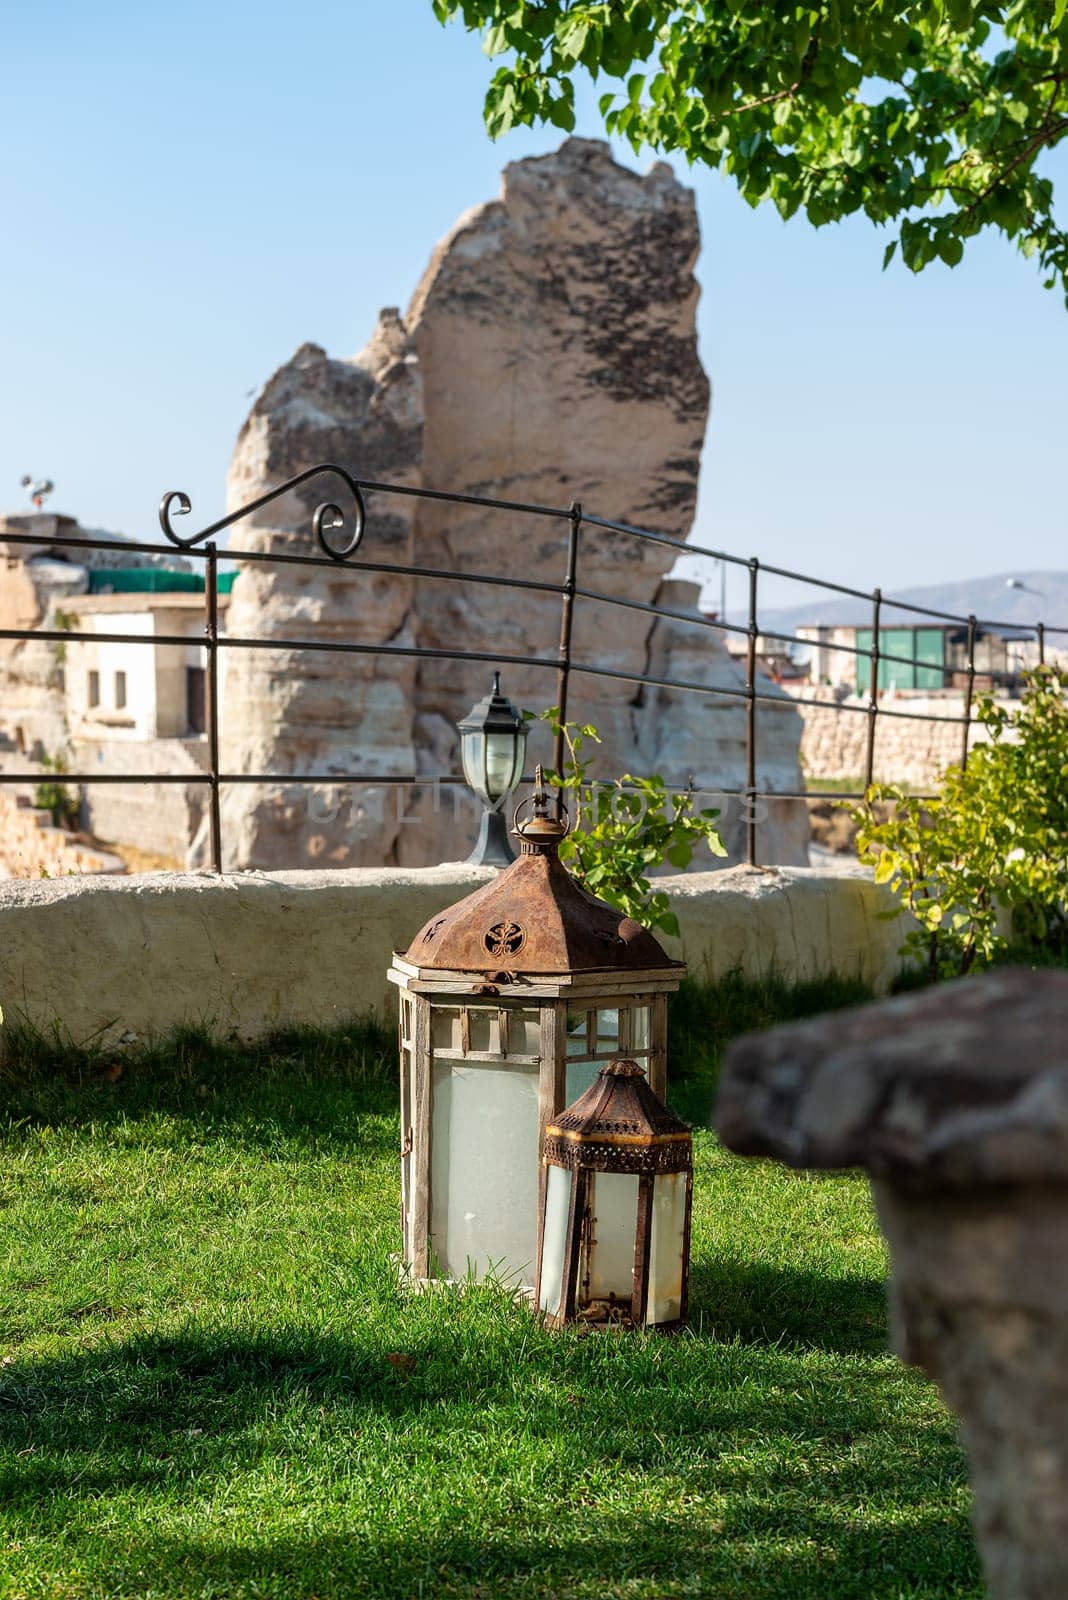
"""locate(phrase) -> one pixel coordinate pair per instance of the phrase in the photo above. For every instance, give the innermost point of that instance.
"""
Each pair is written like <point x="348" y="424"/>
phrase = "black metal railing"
<point x="329" y="518"/>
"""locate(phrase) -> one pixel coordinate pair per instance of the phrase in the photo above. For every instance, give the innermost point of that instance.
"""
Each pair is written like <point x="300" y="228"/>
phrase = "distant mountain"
<point x="990" y="599"/>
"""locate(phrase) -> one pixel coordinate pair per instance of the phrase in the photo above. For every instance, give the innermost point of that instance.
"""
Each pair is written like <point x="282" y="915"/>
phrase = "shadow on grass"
<point x="772" y="1305"/>
<point x="301" y="1083"/>
<point x="646" y="1557"/>
<point x="159" y="1394"/>
<point x="823" y="1484"/>
<point x="704" y="1016"/>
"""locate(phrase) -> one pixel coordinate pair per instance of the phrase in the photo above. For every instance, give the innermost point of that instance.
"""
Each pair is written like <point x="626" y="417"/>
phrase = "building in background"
<point x="931" y="656"/>
<point x="107" y="707"/>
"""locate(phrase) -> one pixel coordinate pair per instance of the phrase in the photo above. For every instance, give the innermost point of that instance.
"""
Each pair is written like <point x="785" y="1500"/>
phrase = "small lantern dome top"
<point x="534" y="917"/>
<point x="619" y="1124"/>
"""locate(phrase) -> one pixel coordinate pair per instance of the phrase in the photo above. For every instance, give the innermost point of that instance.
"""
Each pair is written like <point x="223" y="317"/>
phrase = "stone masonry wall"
<point x="834" y="743"/>
<point x="31" y="846"/>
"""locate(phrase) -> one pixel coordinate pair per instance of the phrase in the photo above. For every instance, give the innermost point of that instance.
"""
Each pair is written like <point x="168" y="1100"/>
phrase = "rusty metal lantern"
<point x="510" y="1003"/>
<point x="615" y="1234"/>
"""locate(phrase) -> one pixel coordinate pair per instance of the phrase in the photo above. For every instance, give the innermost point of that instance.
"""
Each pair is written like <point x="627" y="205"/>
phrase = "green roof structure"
<point x="152" y="580"/>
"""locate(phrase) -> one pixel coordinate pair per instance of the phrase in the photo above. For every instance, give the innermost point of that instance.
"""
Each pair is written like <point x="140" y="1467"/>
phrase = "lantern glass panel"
<point x="667" y="1238"/>
<point x="641" y="1028"/>
<point x="444" y="1028"/>
<point x="504" y="762"/>
<point x="576" y="1033"/>
<point x="608" y="1029"/>
<point x="406" y="1122"/>
<point x="484" y="1169"/>
<point x="580" y="1076"/>
<point x="593" y="1032"/>
<point x="606" y="1265"/>
<point x="554" y="1238"/>
<point x="482" y="1024"/>
<point x="473" y="759"/>
<point x="525" y="1033"/>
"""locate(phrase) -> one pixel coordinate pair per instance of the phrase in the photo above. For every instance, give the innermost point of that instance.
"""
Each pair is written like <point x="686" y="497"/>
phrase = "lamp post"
<point x="615" y="1234"/>
<point x="510" y="1003"/>
<point x="493" y="747"/>
<point x="1017" y="583"/>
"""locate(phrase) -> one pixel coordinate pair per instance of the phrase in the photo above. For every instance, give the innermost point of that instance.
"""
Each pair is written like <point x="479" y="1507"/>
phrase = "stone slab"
<point x="249" y="952"/>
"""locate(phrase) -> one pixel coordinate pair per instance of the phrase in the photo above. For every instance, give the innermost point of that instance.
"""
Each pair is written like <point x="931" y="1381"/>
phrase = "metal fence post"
<point x="750" y="720"/>
<point x="873" y="686"/>
<point x="1041" y="631"/>
<point x="211" y="590"/>
<point x="567" y="613"/>
<point x="969" y="692"/>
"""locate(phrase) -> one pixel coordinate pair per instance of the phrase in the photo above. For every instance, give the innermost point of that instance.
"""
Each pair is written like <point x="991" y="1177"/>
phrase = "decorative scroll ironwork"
<point x="327" y="517"/>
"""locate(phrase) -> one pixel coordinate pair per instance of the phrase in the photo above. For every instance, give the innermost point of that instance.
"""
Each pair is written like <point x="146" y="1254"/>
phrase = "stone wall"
<point x="251" y="952"/>
<point x="160" y="818"/>
<point x="834" y="743"/>
<point x="31" y="846"/>
<point x="549" y="353"/>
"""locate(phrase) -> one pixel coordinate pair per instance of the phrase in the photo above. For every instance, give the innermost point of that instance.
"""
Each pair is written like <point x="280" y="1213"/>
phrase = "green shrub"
<point x="55" y="797"/>
<point x="995" y="837"/>
<point x="623" y="830"/>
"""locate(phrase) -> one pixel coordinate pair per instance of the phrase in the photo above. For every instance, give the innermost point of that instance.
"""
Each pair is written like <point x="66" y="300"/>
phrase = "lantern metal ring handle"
<point x="563" y="817"/>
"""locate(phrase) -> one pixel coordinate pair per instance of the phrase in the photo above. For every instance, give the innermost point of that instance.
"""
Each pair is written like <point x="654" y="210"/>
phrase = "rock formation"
<point x="289" y="711"/>
<point x="549" y="354"/>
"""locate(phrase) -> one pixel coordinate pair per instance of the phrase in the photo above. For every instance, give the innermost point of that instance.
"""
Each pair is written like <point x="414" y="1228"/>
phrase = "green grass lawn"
<point x="211" y="1386"/>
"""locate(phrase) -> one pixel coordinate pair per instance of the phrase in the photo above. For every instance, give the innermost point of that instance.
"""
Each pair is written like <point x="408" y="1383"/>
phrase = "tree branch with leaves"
<point x="932" y="119"/>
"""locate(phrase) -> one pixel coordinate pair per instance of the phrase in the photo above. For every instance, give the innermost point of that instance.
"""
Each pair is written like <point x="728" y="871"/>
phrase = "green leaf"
<point x="885" y="866"/>
<point x="495" y="41"/>
<point x="739" y="88"/>
<point x="562" y="114"/>
<point x="571" y="32"/>
<point x="950" y="249"/>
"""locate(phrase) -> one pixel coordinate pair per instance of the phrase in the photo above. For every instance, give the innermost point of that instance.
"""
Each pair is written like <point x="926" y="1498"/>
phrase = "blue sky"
<point x="189" y="193"/>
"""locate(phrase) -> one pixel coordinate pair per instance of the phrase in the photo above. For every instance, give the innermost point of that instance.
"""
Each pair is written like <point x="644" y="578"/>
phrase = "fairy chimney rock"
<point x="549" y="353"/>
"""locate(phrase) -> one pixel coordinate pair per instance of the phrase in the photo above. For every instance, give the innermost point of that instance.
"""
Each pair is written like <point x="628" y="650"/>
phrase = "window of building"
<point x="94" y="689"/>
<point x="120" y="690"/>
<point x="195" y="700"/>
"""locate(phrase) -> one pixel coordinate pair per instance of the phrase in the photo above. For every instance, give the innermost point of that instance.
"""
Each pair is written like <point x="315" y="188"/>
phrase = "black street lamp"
<point x="493" y="748"/>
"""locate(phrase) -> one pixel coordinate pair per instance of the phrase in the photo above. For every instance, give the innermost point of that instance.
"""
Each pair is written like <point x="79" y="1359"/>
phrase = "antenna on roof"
<point x="40" y="489"/>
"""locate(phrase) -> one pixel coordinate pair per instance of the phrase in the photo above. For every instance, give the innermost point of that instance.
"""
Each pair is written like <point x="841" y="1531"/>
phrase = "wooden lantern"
<point x="510" y="1002"/>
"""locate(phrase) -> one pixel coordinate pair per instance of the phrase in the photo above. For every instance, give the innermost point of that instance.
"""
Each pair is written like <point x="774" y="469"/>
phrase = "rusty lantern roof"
<point x="535" y="918"/>
<point x="620" y="1125"/>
